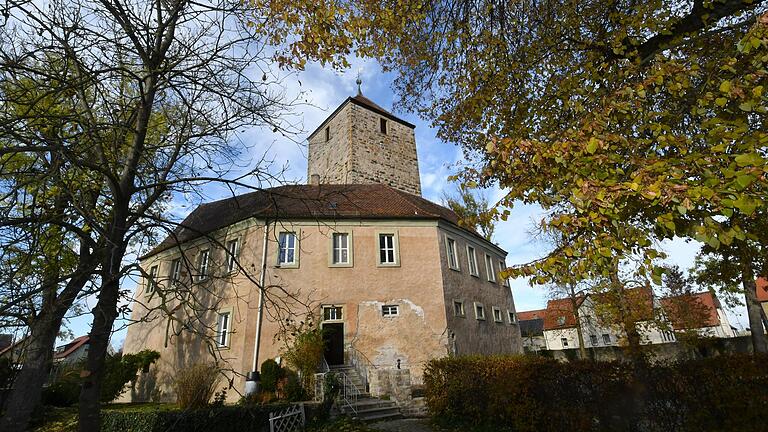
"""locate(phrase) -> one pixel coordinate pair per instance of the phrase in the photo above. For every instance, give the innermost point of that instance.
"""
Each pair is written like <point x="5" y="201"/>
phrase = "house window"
<point x="450" y="249"/>
<point x="489" y="268"/>
<point x="479" y="311"/>
<point x="472" y="261"/>
<point x="511" y="317"/>
<point x="287" y="252"/>
<point x="202" y="265"/>
<point x="341" y="248"/>
<point x="176" y="270"/>
<point x="593" y="339"/>
<point x="328" y="133"/>
<point x="497" y="315"/>
<point x="222" y="329"/>
<point x="332" y="313"/>
<point x="389" y="310"/>
<point x="458" y="308"/>
<point x="561" y="320"/>
<point x="387" y="249"/>
<point x="564" y="341"/>
<point x="233" y="248"/>
<point x="152" y="280"/>
<point x="383" y="126"/>
<point x="606" y="338"/>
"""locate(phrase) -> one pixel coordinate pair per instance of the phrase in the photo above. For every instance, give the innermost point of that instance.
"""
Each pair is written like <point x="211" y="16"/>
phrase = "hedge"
<point x="160" y="418"/>
<point x="524" y="394"/>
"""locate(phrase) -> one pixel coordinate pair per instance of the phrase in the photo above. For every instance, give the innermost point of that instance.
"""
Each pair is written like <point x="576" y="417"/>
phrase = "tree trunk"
<point x="579" y="331"/>
<point x="104" y="314"/>
<point x="28" y="385"/>
<point x="754" y="311"/>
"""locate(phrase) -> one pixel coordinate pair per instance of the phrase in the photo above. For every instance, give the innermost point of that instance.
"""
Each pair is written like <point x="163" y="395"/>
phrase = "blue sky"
<point x="323" y="90"/>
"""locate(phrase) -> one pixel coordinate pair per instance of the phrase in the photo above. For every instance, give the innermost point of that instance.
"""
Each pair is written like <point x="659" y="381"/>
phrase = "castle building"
<point x="391" y="277"/>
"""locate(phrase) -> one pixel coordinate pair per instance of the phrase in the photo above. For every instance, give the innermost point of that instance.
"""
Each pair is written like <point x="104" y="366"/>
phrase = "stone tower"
<point x="361" y="142"/>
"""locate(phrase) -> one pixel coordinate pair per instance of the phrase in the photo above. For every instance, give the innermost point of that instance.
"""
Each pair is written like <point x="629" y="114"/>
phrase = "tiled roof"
<point x="334" y="202"/>
<point x="560" y="314"/>
<point x="366" y="103"/>
<point x="532" y="314"/>
<point x="695" y="310"/>
<point x="762" y="290"/>
<point x="638" y="301"/>
<point x="71" y="347"/>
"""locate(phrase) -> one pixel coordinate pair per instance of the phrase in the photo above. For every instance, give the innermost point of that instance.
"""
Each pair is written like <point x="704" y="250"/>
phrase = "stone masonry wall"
<point x="359" y="153"/>
<point x="383" y="158"/>
<point x="331" y="159"/>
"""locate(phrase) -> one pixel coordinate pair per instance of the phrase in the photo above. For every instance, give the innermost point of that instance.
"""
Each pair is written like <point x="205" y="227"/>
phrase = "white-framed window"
<point x="497" y="315"/>
<point x="202" y="264"/>
<point x="511" y="317"/>
<point x="450" y="251"/>
<point x="489" y="268"/>
<point x="472" y="260"/>
<point x="388" y="255"/>
<point x="479" y="311"/>
<point x="564" y="341"/>
<point x="340" y="248"/>
<point x="286" y="248"/>
<point x="458" y="308"/>
<point x="561" y="320"/>
<point x="332" y="313"/>
<point x="223" y="328"/>
<point x="152" y="280"/>
<point x="504" y="281"/>
<point x="175" y="274"/>
<point x="233" y="249"/>
<point x="390" y="310"/>
<point x="606" y="338"/>
<point x="593" y="339"/>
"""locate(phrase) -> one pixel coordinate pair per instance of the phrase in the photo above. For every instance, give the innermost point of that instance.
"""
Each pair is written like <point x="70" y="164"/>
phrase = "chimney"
<point x="314" y="179"/>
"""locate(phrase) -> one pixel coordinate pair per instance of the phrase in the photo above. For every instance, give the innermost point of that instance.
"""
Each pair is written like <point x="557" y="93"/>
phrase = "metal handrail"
<point x="361" y="363"/>
<point x="349" y="392"/>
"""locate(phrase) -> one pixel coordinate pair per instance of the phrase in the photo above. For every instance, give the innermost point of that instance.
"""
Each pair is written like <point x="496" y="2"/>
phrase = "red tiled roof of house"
<point x="560" y="314"/>
<point x="71" y="347"/>
<point x="639" y="301"/>
<point x="762" y="290"/>
<point x="324" y="201"/>
<point x="530" y="315"/>
<point x="695" y="310"/>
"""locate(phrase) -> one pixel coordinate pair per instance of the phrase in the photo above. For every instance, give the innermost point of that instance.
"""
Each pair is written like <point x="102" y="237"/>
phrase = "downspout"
<point x="253" y="379"/>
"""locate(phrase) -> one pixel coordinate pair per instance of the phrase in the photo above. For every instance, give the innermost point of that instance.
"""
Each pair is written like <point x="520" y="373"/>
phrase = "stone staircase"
<point x="366" y="408"/>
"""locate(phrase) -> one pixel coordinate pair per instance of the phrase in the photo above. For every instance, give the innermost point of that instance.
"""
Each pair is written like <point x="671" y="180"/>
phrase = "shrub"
<point x="64" y="391"/>
<point x="159" y="418"/>
<point x="120" y="369"/>
<point x="538" y="394"/>
<point x="270" y="374"/>
<point x="305" y="351"/>
<point x="294" y="391"/>
<point x="195" y="385"/>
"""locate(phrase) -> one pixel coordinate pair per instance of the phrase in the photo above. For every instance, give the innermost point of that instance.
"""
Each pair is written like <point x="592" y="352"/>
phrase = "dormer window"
<point x="383" y="126"/>
<point x="328" y="133"/>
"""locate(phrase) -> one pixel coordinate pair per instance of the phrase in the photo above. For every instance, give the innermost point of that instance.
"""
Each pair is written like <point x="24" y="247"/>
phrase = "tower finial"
<point x="359" y="83"/>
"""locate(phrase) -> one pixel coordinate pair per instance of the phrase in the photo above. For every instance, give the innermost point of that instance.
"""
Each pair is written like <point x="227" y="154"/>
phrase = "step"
<point x="380" y="417"/>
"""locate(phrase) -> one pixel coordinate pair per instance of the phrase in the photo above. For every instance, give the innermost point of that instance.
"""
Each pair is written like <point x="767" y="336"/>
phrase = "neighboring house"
<point x="657" y="320"/>
<point x="72" y="352"/>
<point x="698" y="312"/>
<point x="532" y="330"/>
<point x="762" y="294"/>
<point x="393" y="278"/>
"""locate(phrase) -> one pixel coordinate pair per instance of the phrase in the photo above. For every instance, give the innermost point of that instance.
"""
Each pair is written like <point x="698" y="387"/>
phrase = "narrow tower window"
<point x="328" y="133"/>
<point x="383" y="126"/>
